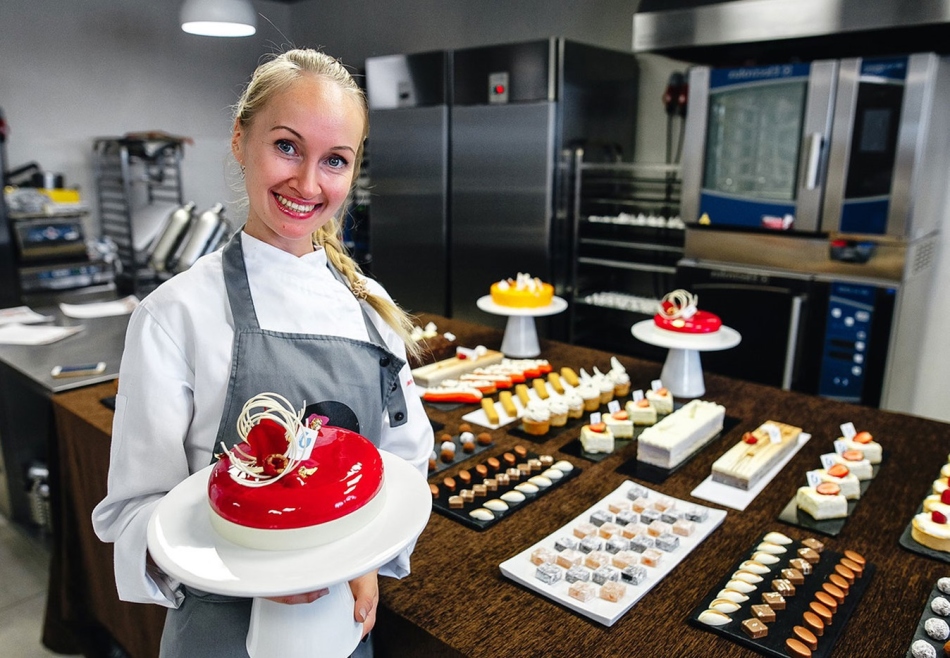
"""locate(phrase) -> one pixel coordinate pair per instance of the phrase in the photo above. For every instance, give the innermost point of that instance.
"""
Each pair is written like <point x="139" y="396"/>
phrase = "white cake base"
<point x="297" y="538"/>
<point x="820" y="506"/>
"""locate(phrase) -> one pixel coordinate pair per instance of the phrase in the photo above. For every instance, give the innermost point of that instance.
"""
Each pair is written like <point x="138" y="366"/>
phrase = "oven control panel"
<point x="847" y="338"/>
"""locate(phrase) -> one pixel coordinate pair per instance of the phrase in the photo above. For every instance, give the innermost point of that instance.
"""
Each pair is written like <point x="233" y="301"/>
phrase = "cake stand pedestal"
<point x="521" y="334"/>
<point x="683" y="372"/>
<point x="183" y="543"/>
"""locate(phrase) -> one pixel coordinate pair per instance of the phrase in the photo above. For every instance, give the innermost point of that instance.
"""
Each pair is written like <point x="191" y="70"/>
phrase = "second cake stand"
<point x="683" y="372"/>
<point x="183" y="543"/>
<point x="521" y="334"/>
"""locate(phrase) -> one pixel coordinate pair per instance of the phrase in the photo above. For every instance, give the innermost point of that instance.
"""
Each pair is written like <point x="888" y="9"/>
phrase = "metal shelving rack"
<point x="129" y="169"/>
<point x="628" y="237"/>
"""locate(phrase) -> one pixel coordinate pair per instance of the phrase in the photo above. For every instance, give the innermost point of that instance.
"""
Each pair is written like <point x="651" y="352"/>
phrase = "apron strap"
<point x="239" y="290"/>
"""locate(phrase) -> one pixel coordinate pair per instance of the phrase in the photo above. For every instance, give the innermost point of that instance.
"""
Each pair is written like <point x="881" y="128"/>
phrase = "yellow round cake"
<point x="523" y="292"/>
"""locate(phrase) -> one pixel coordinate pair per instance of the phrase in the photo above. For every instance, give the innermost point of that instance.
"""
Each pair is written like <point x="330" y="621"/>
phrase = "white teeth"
<point x="296" y="207"/>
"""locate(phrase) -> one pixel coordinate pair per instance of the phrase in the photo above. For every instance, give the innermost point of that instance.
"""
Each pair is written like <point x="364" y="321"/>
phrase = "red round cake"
<point x="335" y="491"/>
<point x="678" y="313"/>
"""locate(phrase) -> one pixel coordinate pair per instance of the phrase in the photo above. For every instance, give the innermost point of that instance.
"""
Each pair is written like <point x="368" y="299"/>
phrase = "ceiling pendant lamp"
<point x="219" y="18"/>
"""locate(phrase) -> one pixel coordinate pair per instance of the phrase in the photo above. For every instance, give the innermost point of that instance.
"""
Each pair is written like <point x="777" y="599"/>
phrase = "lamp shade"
<point x="219" y="18"/>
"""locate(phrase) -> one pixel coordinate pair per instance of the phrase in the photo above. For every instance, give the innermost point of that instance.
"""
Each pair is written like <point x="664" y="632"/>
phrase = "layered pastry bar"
<point x="743" y="465"/>
<point x="679" y="435"/>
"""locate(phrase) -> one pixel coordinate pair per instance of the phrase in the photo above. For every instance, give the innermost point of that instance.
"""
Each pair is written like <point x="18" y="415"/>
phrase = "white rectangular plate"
<point x="520" y="569"/>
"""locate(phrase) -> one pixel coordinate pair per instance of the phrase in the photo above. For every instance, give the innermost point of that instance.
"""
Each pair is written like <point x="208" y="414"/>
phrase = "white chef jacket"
<point x="173" y="381"/>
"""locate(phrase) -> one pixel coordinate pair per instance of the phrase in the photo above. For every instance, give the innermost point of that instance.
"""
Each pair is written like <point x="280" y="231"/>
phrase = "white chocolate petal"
<point x="713" y="618"/>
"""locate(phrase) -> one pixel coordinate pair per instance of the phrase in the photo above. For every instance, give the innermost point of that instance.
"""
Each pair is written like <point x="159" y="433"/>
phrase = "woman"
<point x="281" y="308"/>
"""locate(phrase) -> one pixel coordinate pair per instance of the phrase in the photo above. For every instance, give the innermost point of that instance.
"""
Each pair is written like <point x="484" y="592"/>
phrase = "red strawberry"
<point x="938" y="517"/>
<point x="945" y="497"/>
<point x="749" y="438"/>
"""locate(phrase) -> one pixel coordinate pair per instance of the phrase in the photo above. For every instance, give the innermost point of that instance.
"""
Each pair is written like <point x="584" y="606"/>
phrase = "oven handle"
<point x="813" y="144"/>
<point x="791" y="348"/>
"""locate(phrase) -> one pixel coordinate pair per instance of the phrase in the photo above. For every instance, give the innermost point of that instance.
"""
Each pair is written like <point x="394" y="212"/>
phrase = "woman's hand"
<point x="306" y="597"/>
<point x="366" y="592"/>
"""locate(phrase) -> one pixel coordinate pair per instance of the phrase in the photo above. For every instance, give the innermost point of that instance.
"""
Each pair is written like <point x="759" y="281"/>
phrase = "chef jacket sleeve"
<point x="153" y="411"/>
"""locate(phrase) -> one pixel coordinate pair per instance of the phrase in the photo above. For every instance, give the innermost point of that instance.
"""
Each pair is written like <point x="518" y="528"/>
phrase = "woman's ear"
<point x="237" y="142"/>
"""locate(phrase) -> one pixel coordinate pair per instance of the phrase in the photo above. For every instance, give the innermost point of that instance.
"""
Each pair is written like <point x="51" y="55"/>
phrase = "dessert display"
<point x="602" y="562"/>
<point x="675" y="438"/>
<point x="496" y="487"/>
<point x="783" y="597"/>
<point x="678" y="311"/>
<point x="933" y="631"/>
<point x="597" y="437"/>
<point x="524" y="291"/>
<point x="454" y="447"/>
<point x="290" y="483"/>
<point x="435" y="346"/>
<point x="755" y="454"/>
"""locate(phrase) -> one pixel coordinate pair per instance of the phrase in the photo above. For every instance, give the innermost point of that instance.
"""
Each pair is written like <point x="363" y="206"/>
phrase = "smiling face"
<point x="299" y="155"/>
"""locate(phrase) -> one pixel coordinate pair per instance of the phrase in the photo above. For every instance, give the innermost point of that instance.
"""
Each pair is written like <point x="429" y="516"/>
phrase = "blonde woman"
<point x="281" y="308"/>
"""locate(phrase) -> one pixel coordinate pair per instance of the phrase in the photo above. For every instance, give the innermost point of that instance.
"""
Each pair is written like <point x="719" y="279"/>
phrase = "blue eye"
<point x="337" y="162"/>
<point x="285" y="147"/>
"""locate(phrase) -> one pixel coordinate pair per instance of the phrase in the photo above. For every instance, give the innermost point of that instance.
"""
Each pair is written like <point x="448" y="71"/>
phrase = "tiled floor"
<point x="24" y="564"/>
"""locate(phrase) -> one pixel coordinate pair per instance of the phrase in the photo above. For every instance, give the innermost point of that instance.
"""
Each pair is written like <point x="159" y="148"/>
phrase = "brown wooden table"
<point x="457" y="603"/>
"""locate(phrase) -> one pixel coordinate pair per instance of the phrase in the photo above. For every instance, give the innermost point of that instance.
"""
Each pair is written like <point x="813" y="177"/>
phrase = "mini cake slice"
<point x="661" y="399"/>
<point x="641" y="412"/>
<point x="676" y="437"/>
<point x="743" y="465"/>
<point x="822" y="502"/>
<point x="840" y="475"/>
<point x="619" y="424"/>
<point x="854" y="459"/>
<point x="597" y="437"/>
<point x="864" y="442"/>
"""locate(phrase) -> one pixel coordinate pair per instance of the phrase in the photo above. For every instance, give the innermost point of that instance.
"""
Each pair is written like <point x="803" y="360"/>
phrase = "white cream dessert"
<point x="822" y="502"/>
<point x="575" y="403"/>
<point x="859" y="466"/>
<point x="641" y="412"/>
<point x="839" y="474"/>
<point x="619" y="424"/>
<point x="865" y="443"/>
<point x="661" y="399"/>
<point x="601" y="382"/>
<point x="680" y="434"/>
<point x="558" y="408"/>
<point x="931" y="529"/>
<point x="938" y="502"/>
<point x="590" y="395"/>
<point x="618" y="375"/>
<point x="743" y="465"/>
<point x="596" y="437"/>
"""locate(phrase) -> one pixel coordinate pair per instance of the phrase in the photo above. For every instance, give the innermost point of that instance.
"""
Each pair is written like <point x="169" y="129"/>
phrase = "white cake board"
<point x="185" y="546"/>
<point x="682" y="371"/>
<point x="521" y="333"/>
<point x="723" y="494"/>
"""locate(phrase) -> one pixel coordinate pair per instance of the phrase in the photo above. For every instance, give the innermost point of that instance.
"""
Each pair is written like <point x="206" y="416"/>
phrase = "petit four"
<point x="558" y="409"/>
<point x="865" y="443"/>
<point x="590" y="395"/>
<point x="641" y="412"/>
<point x="618" y="375"/>
<point x="931" y="529"/>
<point x="840" y="475"/>
<point x="537" y="418"/>
<point x="855" y="461"/>
<point x="620" y="424"/>
<point x="661" y="399"/>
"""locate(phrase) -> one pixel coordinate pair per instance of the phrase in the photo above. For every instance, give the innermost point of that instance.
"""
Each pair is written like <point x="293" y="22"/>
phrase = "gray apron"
<point x="353" y="382"/>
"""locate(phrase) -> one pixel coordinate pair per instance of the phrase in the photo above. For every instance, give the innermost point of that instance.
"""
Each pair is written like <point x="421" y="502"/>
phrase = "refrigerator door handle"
<point x="791" y="349"/>
<point x="811" y="147"/>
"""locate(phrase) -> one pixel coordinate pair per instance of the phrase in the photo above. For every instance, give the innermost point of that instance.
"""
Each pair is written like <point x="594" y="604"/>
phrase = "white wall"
<point x="73" y="70"/>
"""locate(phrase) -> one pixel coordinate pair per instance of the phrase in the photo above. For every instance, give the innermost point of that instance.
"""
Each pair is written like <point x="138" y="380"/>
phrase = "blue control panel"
<point x="847" y="337"/>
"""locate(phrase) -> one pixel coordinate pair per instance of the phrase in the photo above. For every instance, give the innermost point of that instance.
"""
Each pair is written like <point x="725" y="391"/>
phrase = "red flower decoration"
<point x="267" y="439"/>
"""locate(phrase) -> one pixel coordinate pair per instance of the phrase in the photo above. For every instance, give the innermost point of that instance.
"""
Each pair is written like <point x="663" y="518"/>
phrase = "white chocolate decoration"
<point x="747" y="577"/>
<point x="481" y="514"/>
<point x="540" y="481"/>
<point x="732" y="595"/>
<point x="553" y="474"/>
<point x="764" y="558"/>
<point x="564" y="466"/>
<point x="724" y="606"/>
<point x="513" y="497"/>
<point x="527" y="488"/>
<point x="496" y="505"/>
<point x="769" y="547"/>
<point x="740" y="586"/>
<point x="777" y="538"/>
<point x="754" y="567"/>
<point x="713" y="618"/>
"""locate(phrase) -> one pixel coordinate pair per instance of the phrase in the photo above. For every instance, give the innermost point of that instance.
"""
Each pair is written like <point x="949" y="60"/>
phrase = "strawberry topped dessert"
<point x="679" y="312"/>
<point x="291" y="485"/>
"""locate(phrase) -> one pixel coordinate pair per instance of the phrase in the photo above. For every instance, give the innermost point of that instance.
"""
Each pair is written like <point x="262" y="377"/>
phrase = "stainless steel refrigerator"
<point x="513" y="112"/>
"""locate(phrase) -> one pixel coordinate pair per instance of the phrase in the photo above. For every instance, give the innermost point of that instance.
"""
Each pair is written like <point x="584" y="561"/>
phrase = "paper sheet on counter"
<point x="22" y="315"/>
<point x="19" y="334"/>
<point x="723" y="494"/>
<point x="100" y="309"/>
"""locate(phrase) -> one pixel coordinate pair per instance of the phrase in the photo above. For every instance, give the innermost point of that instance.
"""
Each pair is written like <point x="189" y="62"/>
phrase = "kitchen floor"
<point x="24" y="573"/>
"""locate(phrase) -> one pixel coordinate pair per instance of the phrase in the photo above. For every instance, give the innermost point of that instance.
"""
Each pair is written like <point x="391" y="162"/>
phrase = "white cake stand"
<point x="521" y="334"/>
<point x="683" y="372"/>
<point x="183" y="543"/>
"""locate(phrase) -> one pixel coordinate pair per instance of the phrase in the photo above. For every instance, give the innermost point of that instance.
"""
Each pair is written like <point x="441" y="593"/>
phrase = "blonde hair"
<point x="275" y="75"/>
